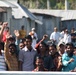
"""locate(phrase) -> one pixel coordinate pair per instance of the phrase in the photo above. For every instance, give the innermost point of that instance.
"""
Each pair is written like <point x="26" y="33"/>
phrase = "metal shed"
<point x="60" y="18"/>
<point x="16" y="15"/>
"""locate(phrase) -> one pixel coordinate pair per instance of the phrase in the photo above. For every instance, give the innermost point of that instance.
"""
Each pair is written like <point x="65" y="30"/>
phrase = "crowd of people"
<point x="23" y="52"/>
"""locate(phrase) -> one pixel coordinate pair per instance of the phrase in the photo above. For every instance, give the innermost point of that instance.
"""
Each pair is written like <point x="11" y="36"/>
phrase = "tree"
<point x="42" y="4"/>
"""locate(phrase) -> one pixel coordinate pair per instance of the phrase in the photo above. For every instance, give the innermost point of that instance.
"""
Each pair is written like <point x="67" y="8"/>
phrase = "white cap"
<point x="33" y="29"/>
<point x="61" y="43"/>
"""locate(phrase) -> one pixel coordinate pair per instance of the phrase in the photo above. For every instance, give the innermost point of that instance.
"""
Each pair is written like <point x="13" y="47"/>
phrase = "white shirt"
<point x="62" y="34"/>
<point x="67" y="38"/>
<point x="34" y="40"/>
<point x="55" y="36"/>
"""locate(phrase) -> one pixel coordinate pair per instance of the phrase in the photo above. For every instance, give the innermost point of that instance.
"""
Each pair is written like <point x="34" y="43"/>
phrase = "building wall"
<point x="48" y="25"/>
<point x="17" y="23"/>
<point x="69" y="24"/>
<point x="7" y="15"/>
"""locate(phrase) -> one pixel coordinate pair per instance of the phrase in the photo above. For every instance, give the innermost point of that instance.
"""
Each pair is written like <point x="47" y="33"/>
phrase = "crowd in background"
<point x="23" y="52"/>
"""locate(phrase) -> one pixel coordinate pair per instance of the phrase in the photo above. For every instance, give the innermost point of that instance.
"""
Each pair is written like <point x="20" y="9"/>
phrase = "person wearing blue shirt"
<point x="68" y="58"/>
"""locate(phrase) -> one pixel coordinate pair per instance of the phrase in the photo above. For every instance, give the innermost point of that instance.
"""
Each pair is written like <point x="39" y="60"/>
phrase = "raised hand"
<point x="5" y="24"/>
<point x="71" y="60"/>
<point x="8" y="36"/>
<point x="45" y="36"/>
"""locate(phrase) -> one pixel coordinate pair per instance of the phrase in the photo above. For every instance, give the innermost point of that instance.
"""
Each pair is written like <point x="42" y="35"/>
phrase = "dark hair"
<point x="24" y="39"/>
<point x="71" y="53"/>
<point x="69" y="44"/>
<point x="15" y="51"/>
<point x="29" y="37"/>
<point x="22" y="27"/>
<point x="35" y="59"/>
<point x="12" y="45"/>
<point x="61" y="45"/>
<point x="38" y="57"/>
<point x="43" y="43"/>
<point x="2" y="44"/>
<point x="52" y="45"/>
<point x="12" y="38"/>
<point x="7" y="28"/>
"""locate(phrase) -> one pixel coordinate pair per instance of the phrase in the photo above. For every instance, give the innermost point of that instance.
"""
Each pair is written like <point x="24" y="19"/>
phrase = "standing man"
<point x="26" y="56"/>
<point x="2" y="59"/>
<point x="11" y="57"/>
<point x="34" y="37"/>
<point x="22" y="32"/>
<point x="67" y="37"/>
<point x="55" y="36"/>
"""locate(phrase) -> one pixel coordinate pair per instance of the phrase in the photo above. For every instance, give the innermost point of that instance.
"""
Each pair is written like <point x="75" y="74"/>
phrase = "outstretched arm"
<point x="44" y="37"/>
<point x="2" y="29"/>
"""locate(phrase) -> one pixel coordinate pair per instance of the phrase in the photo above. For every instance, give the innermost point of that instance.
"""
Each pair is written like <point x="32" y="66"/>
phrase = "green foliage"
<point x="72" y="4"/>
<point x="59" y="6"/>
<point x="42" y="4"/>
<point x="52" y="3"/>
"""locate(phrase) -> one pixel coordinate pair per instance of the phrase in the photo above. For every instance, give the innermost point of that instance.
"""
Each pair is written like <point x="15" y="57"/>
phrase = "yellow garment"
<point x="11" y="60"/>
<point x="22" y="34"/>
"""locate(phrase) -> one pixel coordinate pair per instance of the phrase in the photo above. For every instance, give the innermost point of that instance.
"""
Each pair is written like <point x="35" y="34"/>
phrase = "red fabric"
<point x="4" y="36"/>
<point x="37" y="46"/>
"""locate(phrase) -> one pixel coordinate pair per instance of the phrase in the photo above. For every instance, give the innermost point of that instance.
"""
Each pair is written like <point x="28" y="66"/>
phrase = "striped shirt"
<point x="2" y="63"/>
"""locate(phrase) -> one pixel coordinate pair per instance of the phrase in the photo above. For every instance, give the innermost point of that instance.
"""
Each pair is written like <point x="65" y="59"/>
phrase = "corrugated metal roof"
<point x="18" y="11"/>
<point x="64" y="14"/>
<point x="23" y="12"/>
<point x="4" y="3"/>
<point x="69" y="15"/>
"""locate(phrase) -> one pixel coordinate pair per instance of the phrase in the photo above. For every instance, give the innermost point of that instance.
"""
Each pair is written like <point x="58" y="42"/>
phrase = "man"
<point x="26" y="56"/>
<point x="56" y="57"/>
<point x="62" y="33"/>
<point x="67" y="37"/>
<point x="55" y="36"/>
<point x="61" y="48"/>
<point x="34" y="37"/>
<point x="73" y="36"/>
<point x="68" y="58"/>
<point x="22" y="32"/>
<point x="21" y="45"/>
<point x="11" y="57"/>
<point x="43" y="52"/>
<point x="12" y="40"/>
<point x="2" y="59"/>
<point x="39" y="64"/>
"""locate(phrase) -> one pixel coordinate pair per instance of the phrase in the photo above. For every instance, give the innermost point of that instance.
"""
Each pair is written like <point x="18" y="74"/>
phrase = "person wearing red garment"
<point x="5" y="32"/>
